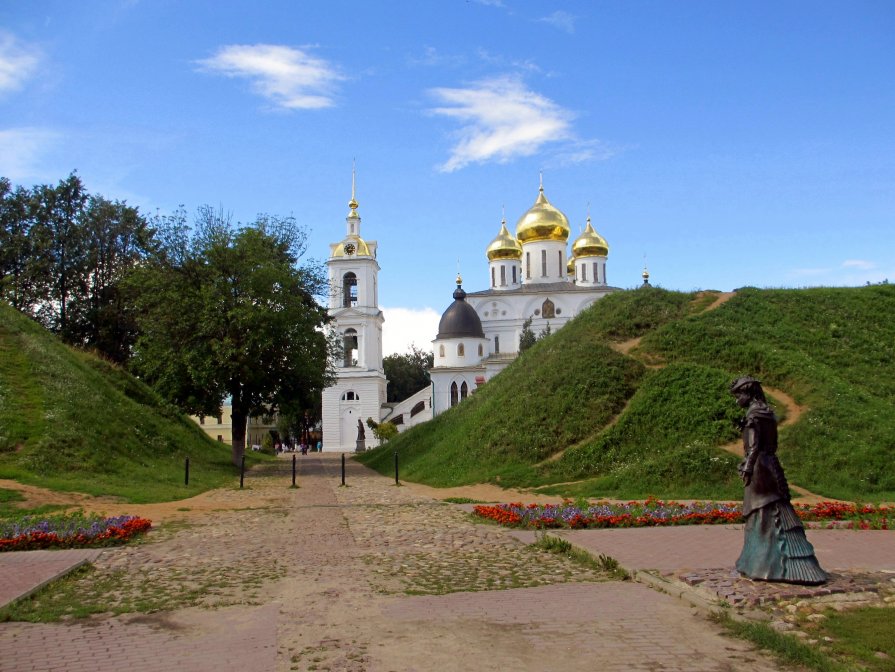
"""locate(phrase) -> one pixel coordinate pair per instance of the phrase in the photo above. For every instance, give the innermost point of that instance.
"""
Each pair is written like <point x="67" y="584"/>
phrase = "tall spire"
<point x="353" y="202"/>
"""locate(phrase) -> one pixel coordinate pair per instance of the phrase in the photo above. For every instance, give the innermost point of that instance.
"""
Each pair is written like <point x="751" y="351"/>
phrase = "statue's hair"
<point x="748" y="385"/>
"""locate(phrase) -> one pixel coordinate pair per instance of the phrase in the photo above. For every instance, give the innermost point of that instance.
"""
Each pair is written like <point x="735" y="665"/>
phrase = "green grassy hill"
<point x="574" y="416"/>
<point x="71" y="421"/>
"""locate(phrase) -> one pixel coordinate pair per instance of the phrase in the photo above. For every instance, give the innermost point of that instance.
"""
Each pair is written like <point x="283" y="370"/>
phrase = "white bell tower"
<point x="359" y="390"/>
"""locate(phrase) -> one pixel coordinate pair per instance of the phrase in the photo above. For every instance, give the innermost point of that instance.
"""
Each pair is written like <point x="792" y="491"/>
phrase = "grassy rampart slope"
<point x="551" y="397"/>
<point x="71" y="421"/>
<point x="621" y="429"/>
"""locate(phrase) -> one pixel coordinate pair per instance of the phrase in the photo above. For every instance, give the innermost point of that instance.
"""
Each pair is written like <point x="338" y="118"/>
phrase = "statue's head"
<point x="746" y="389"/>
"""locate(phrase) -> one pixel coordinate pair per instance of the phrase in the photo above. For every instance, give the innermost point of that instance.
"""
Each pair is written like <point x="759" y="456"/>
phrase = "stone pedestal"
<point x="361" y="446"/>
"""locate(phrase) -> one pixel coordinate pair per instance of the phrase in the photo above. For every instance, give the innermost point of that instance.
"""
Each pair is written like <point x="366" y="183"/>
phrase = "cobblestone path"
<point x="365" y="577"/>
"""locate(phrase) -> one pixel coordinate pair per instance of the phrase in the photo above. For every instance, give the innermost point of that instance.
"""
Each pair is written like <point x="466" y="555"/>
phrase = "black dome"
<point x="460" y="319"/>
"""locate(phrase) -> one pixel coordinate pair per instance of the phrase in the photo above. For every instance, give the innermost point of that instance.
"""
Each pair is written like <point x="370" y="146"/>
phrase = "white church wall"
<point x="544" y="261"/>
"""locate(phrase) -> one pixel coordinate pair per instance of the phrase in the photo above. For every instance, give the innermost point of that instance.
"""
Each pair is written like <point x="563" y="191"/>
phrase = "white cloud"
<point x="21" y="150"/>
<point x="561" y="20"/>
<point x="860" y="264"/>
<point x="18" y="61"/>
<point x="502" y="119"/>
<point x="404" y="327"/>
<point x="291" y="78"/>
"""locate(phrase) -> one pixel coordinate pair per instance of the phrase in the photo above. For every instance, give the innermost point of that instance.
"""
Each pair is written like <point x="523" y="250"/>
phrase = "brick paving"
<point x="694" y="547"/>
<point x="362" y="578"/>
<point x="24" y="572"/>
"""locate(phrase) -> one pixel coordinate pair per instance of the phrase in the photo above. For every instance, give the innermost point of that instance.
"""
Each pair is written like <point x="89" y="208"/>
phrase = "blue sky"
<point x="724" y="143"/>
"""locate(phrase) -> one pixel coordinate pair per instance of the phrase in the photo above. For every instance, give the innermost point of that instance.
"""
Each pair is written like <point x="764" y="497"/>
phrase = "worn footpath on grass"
<point x="356" y="578"/>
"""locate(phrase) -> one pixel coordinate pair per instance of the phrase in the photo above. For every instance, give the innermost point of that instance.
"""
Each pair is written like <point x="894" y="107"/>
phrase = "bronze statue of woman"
<point x="775" y="547"/>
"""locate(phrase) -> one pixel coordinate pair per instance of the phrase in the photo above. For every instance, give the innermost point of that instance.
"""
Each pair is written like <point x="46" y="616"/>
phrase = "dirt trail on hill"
<point x="794" y="410"/>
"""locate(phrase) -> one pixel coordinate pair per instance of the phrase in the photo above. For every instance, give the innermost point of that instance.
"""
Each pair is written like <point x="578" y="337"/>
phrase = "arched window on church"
<point x="503" y="276"/>
<point x="481" y="350"/>
<point x="496" y="344"/>
<point x="543" y="263"/>
<point x="349" y="290"/>
<point x="492" y="276"/>
<point x="548" y="310"/>
<point x="455" y="399"/>
<point x="464" y="390"/>
<point x="461" y="351"/>
<point x="561" y="265"/>
<point x="583" y="272"/>
<point x="514" y="274"/>
<point x="441" y="350"/>
<point x="349" y="347"/>
<point x="350" y="396"/>
<point x="528" y="264"/>
<point x="597" y="273"/>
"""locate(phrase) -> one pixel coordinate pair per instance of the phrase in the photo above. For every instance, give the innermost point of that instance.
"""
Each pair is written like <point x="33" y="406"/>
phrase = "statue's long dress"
<point x="775" y="547"/>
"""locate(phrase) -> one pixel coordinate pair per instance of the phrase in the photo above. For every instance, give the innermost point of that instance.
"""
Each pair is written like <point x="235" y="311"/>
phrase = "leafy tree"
<point x="408" y="373"/>
<point x="229" y="312"/>
<point x="385" y="431"/>
<point x="17" y="261"/>
<point x="117" y="238"/>
<point x="527" y="338"/>
<point x="63" y="254"/>
<point x="60" y="243"/>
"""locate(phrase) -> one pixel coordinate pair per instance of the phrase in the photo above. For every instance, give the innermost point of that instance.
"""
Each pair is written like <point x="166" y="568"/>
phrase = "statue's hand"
<point x="739" y="423"/>
<point x="746" y="476"/>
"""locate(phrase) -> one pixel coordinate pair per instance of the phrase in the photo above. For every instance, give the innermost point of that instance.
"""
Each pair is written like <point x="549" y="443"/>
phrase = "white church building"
<point x="533" y="275"/>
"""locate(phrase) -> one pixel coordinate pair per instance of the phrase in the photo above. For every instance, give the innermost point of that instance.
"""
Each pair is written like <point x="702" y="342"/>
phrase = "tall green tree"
<point x="59" y="242"/>
<point x="63" y="255"/>
<point x="17" y="258"/>
<point x="230" y="312"/>
<point x="116" y="238"/>
<point x="407" y="373"/>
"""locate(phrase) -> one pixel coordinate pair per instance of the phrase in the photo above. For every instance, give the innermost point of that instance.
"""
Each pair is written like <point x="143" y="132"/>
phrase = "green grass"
<point x="785" y="647"/>
<point x="834" y="351"/>
<point x="858" y="636"/>
<point x="71" y="421"/>
<point x="847" y="640"/>
<point x="621" y="429"/>
<point x="665" y="442"/>
<point x="602" y="563"/>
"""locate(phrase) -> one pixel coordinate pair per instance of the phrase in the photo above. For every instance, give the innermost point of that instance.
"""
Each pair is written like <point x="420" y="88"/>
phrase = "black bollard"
<point x="343" y="468"/>
<point x="186" y="472"/>
<point x="242" y="472"/>
<point x="293" y="471"/>
<point x="396" y="468"/>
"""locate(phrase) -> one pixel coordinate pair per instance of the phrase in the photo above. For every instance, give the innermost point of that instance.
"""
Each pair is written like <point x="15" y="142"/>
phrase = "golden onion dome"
<point x="505" y="246"/>
<point x="542" y="222"/>
<point x="590" y="243"/>
<point x="570" y="266"/>
<point x="352" y="246"/>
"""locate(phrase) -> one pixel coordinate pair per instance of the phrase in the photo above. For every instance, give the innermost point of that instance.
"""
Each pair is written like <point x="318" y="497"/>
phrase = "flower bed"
<point x="655" y="512"/>
<point x="75" y="530"/>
